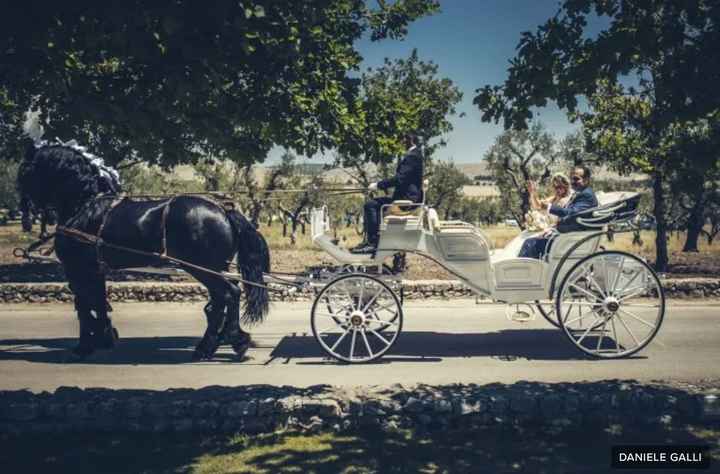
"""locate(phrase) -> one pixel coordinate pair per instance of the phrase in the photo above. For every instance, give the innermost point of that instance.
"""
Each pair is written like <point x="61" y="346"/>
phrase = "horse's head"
<point x="62" y="177"/>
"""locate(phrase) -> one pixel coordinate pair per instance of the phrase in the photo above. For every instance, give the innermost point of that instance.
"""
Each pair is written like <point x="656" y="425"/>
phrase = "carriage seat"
<point x="612" y="207"/>
<point x="399" y="212"/>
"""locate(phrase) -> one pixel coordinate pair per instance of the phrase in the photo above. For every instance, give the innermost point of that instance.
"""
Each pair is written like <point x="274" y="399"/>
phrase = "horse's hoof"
<point x="241" y="348"/>
<point x="241" y="344"/>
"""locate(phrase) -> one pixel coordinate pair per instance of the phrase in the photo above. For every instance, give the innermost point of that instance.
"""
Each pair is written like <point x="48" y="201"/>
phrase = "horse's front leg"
<point x="106" y="336"/>
<point x="86" y="344"/>
<point x="96" y="331"/>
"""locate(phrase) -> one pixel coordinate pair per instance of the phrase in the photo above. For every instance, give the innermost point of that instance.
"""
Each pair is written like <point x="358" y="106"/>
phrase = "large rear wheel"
<point x="610" y="304"/>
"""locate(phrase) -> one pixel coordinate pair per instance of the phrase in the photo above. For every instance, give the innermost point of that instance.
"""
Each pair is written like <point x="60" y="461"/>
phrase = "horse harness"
<point x="99" y="242"/>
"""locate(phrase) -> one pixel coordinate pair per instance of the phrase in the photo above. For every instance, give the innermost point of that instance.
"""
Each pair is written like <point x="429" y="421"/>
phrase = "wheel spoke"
<point x="596" y="284"/>
<point x="388" y="306"/>
<point x="352" y="344"/>
<point x="381" y="322"/>
<point x="377" y="334"/>
<point x="586" y="303"/>
<point x="615" y="338"/>
<point x="634" y="316"/>
<point x="639" y="305"/>
<point x="372" y="300"/>
<point x="629" y="282"/>
<point x="585" y="291"/>
<point x="638" y="291"/>
<point x="602" y="335"/>
<point x="597" y="316"/>
<point x="332" y="315"/>
<point x="617" y="275"/>
<point x="637" y="343"/>
<point x="337" y="343"/>
<point x="362" y="291"/>
<point x="587" y="331"/>
<point x="367" y="344"/>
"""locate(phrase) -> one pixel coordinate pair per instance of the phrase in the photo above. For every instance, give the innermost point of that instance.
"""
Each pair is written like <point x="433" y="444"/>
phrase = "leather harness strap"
<point x="104" y="267"/>
<point x="163" y="226"/>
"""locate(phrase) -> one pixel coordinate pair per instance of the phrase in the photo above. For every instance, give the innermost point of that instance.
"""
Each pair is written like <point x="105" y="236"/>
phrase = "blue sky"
<point x="472" y="42"/>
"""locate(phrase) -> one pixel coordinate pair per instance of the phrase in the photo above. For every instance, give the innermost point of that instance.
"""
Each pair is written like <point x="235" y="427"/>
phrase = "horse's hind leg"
<point x="215" y="315"/>
<point x="232" y="333"/>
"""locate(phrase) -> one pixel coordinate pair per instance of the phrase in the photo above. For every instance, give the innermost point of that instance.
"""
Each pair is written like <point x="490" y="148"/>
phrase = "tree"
<point x="519" y="156"/>
<point x="170" y="82"/>
<point x="400" y="97"/>
<point x="258" y="196"/>
<point x="445" y="190"/>
<point x="666" y="47"/>
<point x="696" y="182"/>
<point x="294" y="205"/>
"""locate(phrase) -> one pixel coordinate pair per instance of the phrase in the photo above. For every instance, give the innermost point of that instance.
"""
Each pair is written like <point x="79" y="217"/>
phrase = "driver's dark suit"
<point x="407" y="184"/>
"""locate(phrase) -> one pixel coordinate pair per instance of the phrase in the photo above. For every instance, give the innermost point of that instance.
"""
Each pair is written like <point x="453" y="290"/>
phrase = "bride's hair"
<point x="560" y="178"/>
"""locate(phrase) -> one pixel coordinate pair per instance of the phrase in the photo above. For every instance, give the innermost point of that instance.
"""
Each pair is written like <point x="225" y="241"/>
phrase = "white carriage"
<point x="608" y="303"/>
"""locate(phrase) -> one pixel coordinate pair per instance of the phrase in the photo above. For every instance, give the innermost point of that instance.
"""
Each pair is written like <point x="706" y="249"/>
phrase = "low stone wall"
<point x="255" y="409"/>
<point x="182" y="292"/>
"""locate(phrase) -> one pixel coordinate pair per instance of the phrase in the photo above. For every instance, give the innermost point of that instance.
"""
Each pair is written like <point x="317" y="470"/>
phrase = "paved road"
<point x="442" y="342"/>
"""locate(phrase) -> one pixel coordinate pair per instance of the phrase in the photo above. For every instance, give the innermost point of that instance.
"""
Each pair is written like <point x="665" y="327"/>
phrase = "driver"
<point x="407" y="184"/>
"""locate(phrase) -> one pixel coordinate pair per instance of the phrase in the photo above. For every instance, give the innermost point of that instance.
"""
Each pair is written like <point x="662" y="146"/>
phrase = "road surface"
<point x="442" y="342"/>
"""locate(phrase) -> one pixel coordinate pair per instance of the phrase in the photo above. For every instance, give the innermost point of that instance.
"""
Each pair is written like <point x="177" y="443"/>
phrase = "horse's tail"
<point x="253" y="258"/>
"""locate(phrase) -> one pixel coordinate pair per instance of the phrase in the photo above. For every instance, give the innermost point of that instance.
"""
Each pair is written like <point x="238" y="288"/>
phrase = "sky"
<point x="472" y="42"/>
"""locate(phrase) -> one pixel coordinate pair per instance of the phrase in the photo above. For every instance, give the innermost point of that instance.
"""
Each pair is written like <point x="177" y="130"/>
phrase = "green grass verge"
<point x="468" y="450"/>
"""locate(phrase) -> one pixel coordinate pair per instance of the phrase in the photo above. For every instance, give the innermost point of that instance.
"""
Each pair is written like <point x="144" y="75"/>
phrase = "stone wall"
<point x="182" y="292"/>
<point x="255" y="409"/>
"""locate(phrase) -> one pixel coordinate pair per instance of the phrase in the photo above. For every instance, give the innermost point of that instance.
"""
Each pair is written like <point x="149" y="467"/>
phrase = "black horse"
<point x="192" y="229"/>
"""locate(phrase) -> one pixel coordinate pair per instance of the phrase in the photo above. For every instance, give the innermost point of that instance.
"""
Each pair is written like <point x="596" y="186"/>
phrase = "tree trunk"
<point x="696" y="222"/>
<point x="255" y="215"/>
<point x="661" y="251"/>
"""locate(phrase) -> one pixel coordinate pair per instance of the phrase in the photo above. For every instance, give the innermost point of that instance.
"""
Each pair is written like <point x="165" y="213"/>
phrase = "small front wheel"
<point x="610" y="304"/>
<point x="356" y="318"/>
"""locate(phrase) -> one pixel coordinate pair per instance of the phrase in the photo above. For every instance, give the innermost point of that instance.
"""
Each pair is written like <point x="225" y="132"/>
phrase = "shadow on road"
<point x="130" y="351"/>
<point x="412" y="346"/>
<point x="506" y="345"/>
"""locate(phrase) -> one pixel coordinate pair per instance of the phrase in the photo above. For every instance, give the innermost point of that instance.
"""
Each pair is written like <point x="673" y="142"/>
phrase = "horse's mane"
<point x="57" y="173"/>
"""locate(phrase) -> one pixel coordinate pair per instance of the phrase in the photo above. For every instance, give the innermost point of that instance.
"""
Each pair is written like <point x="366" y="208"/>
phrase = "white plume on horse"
<point x="34" y="129"/>
<point x="32" y="126"/>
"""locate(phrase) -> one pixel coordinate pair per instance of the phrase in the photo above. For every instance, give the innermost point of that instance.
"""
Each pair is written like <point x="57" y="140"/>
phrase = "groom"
<point x="583" y="199"/>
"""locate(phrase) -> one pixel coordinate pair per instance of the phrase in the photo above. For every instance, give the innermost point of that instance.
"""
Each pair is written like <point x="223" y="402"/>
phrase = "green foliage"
<point x="519" y="156"/>
<point x="444" y="192"/>
<point x="143" y="179"/>
<point x="9" y="198"/>
<point x="667" y="48"/>
<point x="400" y="97"/>
<point x="171" y="82"/>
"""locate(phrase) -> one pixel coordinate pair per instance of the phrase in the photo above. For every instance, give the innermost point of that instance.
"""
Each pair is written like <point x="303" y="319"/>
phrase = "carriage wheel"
<point x="356" y="318"/>
<point x="610" y="304"/>
<point x="547" y="310"/>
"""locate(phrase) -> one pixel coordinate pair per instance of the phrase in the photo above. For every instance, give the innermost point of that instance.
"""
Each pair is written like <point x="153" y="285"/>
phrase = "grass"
<point x="478" y="449"/>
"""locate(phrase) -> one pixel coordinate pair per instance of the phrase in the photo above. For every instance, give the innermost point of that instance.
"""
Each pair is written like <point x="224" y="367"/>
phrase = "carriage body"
<point x="466" y="252"/>
<point x="577" y="286"/>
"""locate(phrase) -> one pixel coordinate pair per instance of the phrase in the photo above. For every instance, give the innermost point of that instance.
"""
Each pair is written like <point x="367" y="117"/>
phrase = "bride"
<point x="538" y="218"/>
